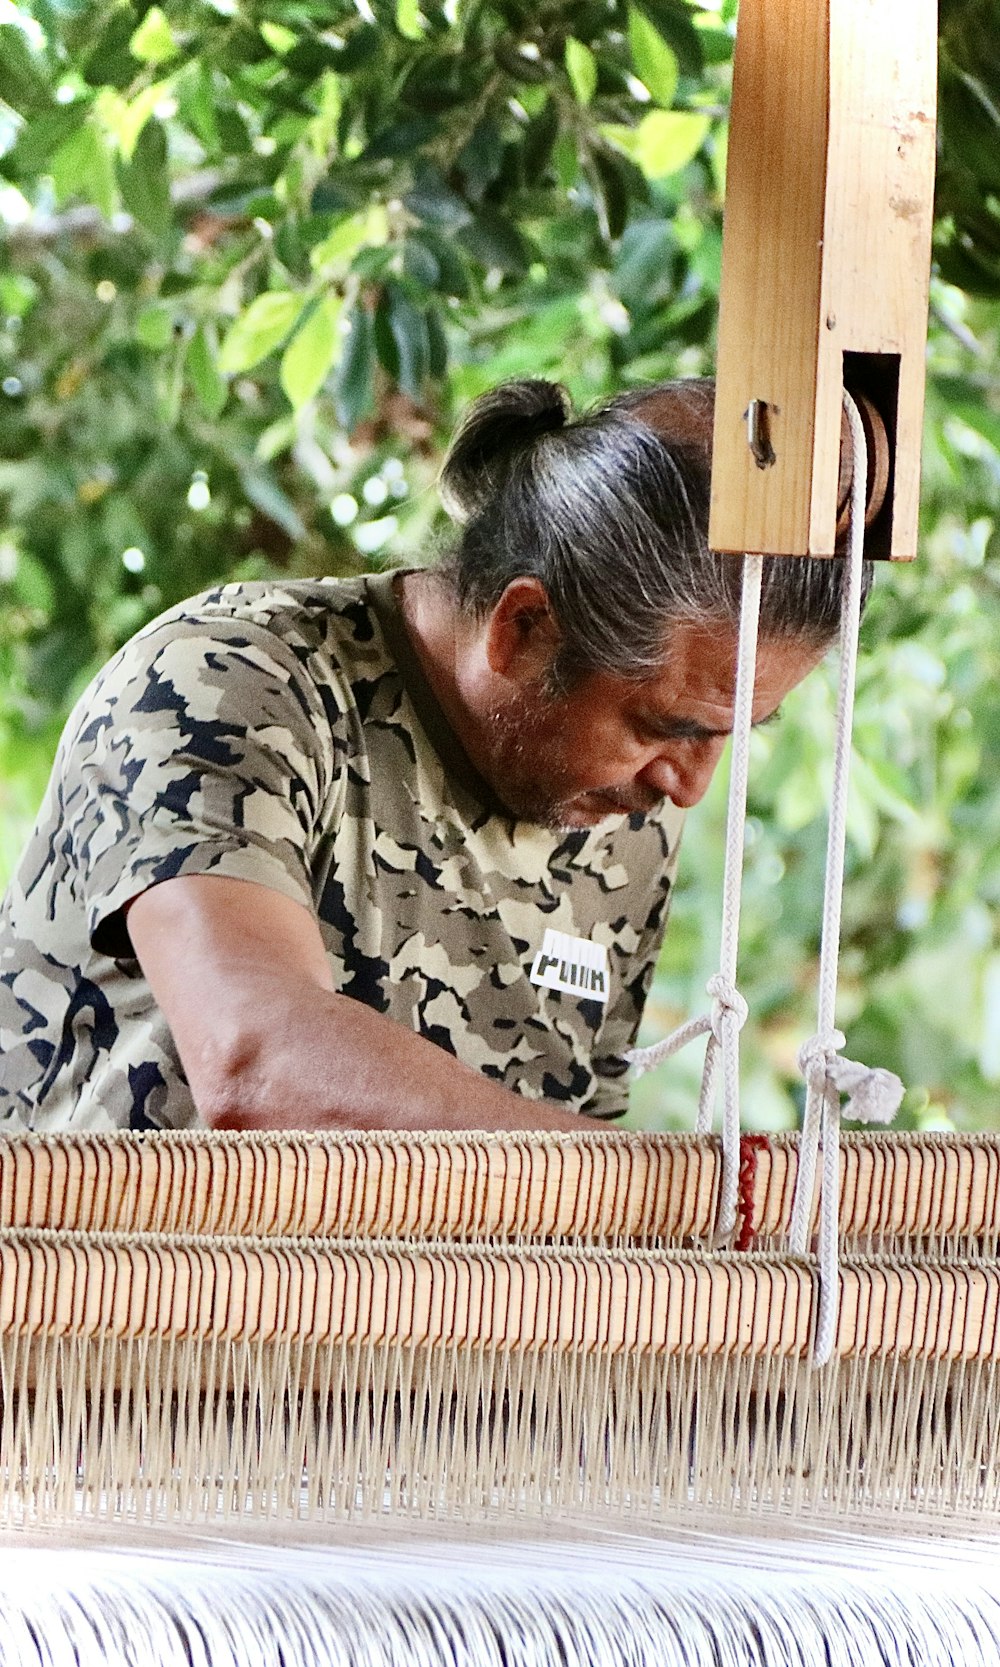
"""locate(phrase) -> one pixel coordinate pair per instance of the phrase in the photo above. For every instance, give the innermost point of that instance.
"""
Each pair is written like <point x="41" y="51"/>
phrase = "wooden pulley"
<point x="825" y="267"/>
<point x="879" y="461"/>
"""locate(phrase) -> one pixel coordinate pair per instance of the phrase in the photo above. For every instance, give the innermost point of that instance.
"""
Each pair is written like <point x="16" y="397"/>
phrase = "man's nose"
<point x="683" y="775"/>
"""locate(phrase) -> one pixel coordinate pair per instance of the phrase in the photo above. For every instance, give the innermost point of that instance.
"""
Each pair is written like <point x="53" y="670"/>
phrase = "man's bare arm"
<point x="242" y="977"/>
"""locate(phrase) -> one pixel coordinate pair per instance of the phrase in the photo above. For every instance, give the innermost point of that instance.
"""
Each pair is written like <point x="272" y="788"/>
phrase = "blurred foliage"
<point x="256" y="255"/>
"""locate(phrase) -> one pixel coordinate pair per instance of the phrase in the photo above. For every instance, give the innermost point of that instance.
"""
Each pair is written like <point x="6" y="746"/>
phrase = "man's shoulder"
<point x="306" y="613"/>
<point x="321" y="636"/>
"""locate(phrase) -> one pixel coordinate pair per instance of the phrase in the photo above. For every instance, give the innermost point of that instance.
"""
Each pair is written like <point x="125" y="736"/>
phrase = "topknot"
<point x="497" y="429"/>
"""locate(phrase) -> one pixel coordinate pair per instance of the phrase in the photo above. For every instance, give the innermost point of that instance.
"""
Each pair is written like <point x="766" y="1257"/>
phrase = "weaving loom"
<point x="286" y="1339"/>
<point x="456" y="1347"/>
<point x="437" y="1325"/>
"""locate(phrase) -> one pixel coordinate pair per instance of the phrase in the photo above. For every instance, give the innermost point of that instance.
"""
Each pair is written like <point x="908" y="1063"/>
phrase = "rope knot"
<point x="818" y="1054"/>
<point x="873" y="1095"/>
<point x="726" y="999"/>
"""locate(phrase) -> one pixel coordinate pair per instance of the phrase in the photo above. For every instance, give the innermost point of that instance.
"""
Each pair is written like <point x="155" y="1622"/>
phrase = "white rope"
<point x="729" y="1010"/>
<point x="875" y="1095"/>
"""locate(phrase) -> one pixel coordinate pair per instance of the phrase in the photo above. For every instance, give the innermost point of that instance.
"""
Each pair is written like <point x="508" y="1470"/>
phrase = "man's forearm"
<point x="324" y="1061"/>
<point x="243" y="979"/>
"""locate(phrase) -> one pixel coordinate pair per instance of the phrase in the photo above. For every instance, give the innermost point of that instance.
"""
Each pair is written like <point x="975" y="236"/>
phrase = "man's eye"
<point x="659" y="731"/>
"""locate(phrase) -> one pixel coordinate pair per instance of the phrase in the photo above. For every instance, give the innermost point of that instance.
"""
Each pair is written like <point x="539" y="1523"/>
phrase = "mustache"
<point x="630" y="801"/>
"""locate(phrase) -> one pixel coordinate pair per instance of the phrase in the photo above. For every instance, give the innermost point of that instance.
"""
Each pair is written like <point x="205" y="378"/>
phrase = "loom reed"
<point x="195" y="1326"/>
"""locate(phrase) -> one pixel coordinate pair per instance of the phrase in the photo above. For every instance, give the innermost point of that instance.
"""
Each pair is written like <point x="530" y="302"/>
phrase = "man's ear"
<point x="522" y="636"/>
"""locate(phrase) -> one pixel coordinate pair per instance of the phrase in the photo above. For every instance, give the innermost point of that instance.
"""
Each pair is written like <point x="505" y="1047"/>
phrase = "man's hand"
<point x="242" y="977"/>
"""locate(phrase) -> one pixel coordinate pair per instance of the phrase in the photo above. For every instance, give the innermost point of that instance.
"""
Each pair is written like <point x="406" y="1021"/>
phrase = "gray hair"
<point x="610" y="513"/>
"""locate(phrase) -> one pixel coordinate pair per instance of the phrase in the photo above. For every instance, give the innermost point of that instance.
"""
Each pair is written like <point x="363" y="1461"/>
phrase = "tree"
<point x="258" y="254"/>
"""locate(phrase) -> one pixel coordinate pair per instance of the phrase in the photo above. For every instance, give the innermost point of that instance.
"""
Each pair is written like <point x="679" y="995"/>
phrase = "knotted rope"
<point x="874" y="1095"/>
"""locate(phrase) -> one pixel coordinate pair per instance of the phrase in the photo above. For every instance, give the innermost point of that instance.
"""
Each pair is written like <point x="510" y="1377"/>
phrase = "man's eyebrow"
<point x="687" y="729"/>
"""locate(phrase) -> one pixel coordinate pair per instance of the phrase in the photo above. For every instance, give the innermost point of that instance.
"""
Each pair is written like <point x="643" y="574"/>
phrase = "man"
<point x="397" y="851"/>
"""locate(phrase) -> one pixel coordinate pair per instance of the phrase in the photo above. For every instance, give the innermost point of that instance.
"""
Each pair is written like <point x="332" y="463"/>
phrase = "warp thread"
<point x="552" y="1604"/>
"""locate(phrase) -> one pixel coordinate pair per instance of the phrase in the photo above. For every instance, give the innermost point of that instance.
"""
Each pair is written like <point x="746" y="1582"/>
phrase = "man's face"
<point x="613" y="746"/>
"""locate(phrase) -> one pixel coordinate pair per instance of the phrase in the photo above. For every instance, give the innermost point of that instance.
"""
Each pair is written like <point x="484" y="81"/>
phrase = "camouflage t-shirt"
<point x="285" y="734"/>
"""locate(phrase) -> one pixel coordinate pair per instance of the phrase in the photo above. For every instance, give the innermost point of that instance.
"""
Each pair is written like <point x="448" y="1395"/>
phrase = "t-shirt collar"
<point x="459" y="768"/>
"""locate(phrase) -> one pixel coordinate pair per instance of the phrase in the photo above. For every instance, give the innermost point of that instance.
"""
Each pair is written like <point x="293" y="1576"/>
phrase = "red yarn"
<point x="750" y="1145"/>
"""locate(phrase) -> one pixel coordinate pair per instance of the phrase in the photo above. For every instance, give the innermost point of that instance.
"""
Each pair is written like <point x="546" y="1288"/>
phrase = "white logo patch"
<point x="572" y="964"/>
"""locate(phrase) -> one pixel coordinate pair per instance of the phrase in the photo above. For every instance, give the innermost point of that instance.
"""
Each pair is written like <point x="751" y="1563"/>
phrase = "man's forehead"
<point x="698" y="673"/>
<point x="698" y="652"/>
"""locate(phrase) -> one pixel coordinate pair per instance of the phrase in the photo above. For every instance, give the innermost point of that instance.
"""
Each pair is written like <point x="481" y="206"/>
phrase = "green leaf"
<point x="153" y="41"/>
<point x="18" y="293"/>
<point x="481" y="158"/>
<point x="611" y="181"/>
<point x="644" y="266"/>
<point x="372" y="264"/>
<point x="32" y="585"/>
<point x="154" y="327"/>
<point x="259" y="330"/>
<point x="437" y="345"/>
<point x="197" y="105"/>
<point x="434" y="202"/>
<point x="383" y="339"/>
<point x="716" y="45"/>
<point x="452" y="277"/>
<point x="420" y="264"/>
<point x="355" y="378"/>
<point x="965" y="403"/>
<point x="971" y="122"/>
<point x="539" y="139"/>
<point x="675" y="21"/>
<point x="655" y="62"/>
<point x="402" y="138"/>
<point x="581" y="67"/>
<point x="664" y="141"/>
<point x="523" y="66"/>
<point x="145" y="182"/>
<point x="279" y="39"/>
<point x="23" y="84"/>
<point x="566" y="161"/>
<point x="40" y="138"/>
<point x="263" y="490"/>
<point x="312" y="351"/>
<point x="82" y="167"/>
<point x="211" y="390"/>
<point x="409" y="332"/>
<point x="126" y="119"/>
<point x="363" y="44"/>
<point x="409" y="21"/>
<point x="233" y="131"/>
<point x="310" y="57"/>
<point x="356" y="232"/>
<point x="967" y="270"/>
<point x="110" y="63"/>
<point x="496" y="243"/>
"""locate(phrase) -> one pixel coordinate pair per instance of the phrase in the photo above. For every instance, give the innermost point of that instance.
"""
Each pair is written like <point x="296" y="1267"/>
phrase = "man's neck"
<point x="445" y="642"/>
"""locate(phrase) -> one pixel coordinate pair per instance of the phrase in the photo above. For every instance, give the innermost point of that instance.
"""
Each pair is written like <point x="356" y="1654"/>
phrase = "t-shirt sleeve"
<point x="632" y="976"/>
<point x="202" y="749"/>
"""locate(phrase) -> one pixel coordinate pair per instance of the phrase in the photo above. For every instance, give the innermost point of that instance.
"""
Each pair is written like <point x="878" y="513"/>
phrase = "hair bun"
<point x="496" y="429"/>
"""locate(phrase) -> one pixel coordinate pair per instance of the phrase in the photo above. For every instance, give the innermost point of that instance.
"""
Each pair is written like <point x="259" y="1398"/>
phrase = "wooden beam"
<point x="826" y="256"/>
